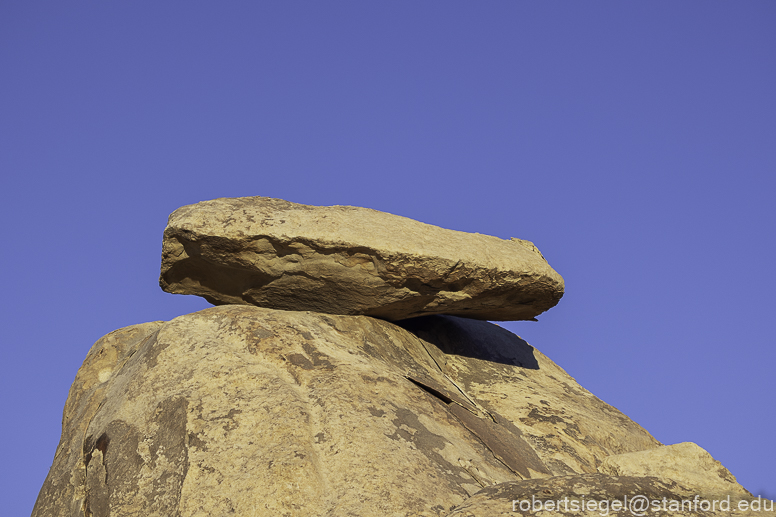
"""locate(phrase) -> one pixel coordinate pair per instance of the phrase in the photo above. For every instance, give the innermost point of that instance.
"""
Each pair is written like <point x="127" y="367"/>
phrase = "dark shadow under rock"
<point x="474" y="339"/>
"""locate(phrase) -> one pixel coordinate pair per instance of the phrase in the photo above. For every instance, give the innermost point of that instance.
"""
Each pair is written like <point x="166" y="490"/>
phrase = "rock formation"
<point x="347" y="260"/>
<point x="685" y="463"/>
<point x="597" y="495"/>
<point x="244" y="410"/>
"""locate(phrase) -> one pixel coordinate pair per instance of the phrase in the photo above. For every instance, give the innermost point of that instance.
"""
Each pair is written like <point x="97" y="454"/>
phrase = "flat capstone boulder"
<point x="351" y="261"/>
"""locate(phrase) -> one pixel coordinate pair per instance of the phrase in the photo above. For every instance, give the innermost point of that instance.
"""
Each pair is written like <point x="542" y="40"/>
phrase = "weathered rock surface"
<point x="596" y="495"/>
<point x="569" y="428"/>
<point x="685" y="463"/>
<point x="347" y="260"/>
<point x="250" y="411"/>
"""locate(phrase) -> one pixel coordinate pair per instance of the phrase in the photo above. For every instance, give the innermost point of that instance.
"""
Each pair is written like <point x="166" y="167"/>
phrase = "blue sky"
<point x="633" y="142"/>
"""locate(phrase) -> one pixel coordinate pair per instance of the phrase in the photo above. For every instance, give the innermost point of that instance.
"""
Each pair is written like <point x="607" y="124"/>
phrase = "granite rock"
<point x="685" y="463"/>
<point x="597" y="495"/>
<point x="348" y="260"/>
<point x="252" y="411"/>
<point x="570" y="429"/>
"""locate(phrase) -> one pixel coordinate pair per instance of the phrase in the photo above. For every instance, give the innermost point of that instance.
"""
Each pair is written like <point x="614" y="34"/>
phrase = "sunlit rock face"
<point x="348" y="260"/>
<point x="337" y="378"/>
<point x="266" y="412"/>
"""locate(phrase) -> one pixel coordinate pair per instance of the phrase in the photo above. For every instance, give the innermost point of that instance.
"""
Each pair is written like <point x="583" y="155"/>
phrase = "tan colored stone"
<point x="348" y="260"/>
<point x="570" y="429"/>
<point x="64" y="491"/>
<point x="685" y="463"/>
<point x="252" y="411"/>
<point x="597" y="495"/>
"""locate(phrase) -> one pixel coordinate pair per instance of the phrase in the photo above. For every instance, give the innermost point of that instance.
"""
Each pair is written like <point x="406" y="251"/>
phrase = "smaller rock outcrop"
<point x="686" y="463"/>
<point x="351" y="261"/>
<point x="596" y="495"/>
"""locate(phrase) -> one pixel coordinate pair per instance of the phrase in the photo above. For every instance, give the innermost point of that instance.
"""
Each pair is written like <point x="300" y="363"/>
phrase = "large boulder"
<point x="251" y="411"/>
<point x="347" y="260"/>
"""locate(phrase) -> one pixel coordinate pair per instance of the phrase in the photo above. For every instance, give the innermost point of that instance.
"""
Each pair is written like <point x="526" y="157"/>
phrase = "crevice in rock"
<point x="428" y="389"/>
<point x="504" y="441"/>
<point x="474" y="477"/>
<point x="102" y="446"/>
<point x="460" y="390"/>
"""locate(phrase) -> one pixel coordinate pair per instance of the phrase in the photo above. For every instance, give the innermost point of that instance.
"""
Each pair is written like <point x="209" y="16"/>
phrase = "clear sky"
<point x="633" y="142"/>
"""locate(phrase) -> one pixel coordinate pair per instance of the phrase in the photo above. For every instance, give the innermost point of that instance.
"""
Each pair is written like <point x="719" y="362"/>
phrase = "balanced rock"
<point x="351" y="261"/>
<point x="240" y="410"/>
